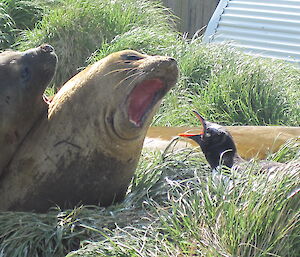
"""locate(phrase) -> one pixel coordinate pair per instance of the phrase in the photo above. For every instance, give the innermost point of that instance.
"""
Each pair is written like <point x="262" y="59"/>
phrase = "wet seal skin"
<point x="23" y="79"/>
<point x="87" y="150"/>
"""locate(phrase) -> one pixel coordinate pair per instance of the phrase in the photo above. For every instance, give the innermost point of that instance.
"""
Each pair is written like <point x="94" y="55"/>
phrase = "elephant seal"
<point x="87" y="149"/>
<point x="23" y="79"/>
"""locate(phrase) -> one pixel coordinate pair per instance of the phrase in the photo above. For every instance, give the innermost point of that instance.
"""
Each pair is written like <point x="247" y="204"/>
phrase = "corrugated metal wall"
<point x="269" y="28"/>
<point x="194" y="14"/>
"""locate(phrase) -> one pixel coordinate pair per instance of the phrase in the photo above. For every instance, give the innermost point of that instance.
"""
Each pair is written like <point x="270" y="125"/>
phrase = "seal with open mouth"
<point x="23" y="79"/>
<point x="87" y="150"/>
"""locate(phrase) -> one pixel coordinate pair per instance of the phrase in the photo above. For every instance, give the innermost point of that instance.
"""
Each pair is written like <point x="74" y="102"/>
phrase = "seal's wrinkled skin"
<point x="23" y="79"/>
<point x="88" y="148"/>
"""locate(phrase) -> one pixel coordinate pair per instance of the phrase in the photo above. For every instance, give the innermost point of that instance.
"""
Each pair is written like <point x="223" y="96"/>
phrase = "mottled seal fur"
<point x="23" y="79"/>
<point x="87" y="150"/>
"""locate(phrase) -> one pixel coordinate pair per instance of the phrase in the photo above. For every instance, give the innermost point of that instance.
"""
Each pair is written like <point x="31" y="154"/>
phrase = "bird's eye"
<point x="208" y="134"/>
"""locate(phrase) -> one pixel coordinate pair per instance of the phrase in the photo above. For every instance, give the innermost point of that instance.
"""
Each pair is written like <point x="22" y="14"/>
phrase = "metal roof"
<point x="269" y="28"/>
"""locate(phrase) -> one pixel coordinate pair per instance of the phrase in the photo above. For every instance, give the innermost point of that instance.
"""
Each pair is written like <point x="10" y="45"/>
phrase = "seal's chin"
<point x="142" y="99"/>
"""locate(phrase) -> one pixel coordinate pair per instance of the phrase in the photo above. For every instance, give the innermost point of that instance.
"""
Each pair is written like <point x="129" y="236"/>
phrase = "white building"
<point x="269" y="28"/>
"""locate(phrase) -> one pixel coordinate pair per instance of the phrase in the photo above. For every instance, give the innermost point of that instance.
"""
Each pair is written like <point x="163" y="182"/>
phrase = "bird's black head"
<point x="216" y="143"/>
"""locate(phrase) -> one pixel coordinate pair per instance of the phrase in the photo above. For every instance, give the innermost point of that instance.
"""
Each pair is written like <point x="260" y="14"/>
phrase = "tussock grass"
<point x="152" y="40"/>
<point x="175" y="207"/>
<point x="6" y="28"/>
<point x="16" y="16"/>
<point x="287" y="152"/>
<point x="229" y="87"/>
<point x="78" y="28"/>
<point x="24" y="13"/>
<point x="197" y="214"/>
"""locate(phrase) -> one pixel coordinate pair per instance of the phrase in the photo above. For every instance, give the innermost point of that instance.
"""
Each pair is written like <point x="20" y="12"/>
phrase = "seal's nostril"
<point x="47" y="48"/>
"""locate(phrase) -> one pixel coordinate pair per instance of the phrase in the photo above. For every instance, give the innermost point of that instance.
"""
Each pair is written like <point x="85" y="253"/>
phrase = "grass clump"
<point x="16" y="16"/>
<point x="175" y="207"/>
<point x="6" y="26"/>
<point x="229" y="87"/>
<point x="77" y="28"/>
<point x="24" y="13"/>
<point x="150" y="40"/>
<point x="198" y="214"/>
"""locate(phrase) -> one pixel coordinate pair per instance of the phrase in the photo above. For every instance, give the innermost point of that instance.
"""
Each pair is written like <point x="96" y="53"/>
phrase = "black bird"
<point x="216" y="143"/>
<point x="219" y="148"/>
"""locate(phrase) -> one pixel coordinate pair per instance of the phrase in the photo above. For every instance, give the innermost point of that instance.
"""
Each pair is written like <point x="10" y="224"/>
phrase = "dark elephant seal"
<point x="23" y="79"/>
<point x="87" y="150"/>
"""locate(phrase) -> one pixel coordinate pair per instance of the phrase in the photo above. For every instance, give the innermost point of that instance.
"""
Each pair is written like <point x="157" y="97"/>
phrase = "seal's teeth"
<point x="137" y="124"/>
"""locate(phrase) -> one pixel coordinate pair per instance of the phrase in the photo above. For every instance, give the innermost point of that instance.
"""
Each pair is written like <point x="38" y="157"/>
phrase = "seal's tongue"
<point x="141" y="99"/>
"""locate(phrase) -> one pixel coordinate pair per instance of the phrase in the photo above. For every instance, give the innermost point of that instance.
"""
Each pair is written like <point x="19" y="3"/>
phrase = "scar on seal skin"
<point x="23" y="79"/>
<point x="87" y="149"/>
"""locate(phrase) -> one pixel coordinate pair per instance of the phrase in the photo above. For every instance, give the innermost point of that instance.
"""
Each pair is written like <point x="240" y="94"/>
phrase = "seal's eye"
<point x="25" y="74"/>
<point x="132" y="57"/>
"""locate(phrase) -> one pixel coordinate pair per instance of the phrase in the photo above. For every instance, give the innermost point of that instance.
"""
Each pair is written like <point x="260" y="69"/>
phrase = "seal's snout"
<point x="168" y="71"/>
<point x="47" y="52"/>
<point x="168" y="61"/>
<point x="172" y="60"/>
<point x="173" y="66"/>
<point x="47" y="48"/>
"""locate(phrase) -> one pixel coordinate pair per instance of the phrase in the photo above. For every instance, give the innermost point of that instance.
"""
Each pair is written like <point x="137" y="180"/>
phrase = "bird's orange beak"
<point x="202" y="120"/>
<point x="190" y="135"/>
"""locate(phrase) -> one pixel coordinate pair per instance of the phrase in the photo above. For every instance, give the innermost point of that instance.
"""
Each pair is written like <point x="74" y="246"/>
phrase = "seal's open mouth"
<point x="142" y="99"/>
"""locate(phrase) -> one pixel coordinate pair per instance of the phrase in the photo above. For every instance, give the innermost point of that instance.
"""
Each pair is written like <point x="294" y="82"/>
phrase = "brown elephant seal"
<point x="23" y="79"/>
<point x="87" y="150"/>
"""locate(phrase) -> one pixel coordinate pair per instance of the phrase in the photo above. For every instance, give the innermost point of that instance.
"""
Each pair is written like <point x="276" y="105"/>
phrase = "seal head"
<point x="147" y="80"/>
<point x="24" y="77"/>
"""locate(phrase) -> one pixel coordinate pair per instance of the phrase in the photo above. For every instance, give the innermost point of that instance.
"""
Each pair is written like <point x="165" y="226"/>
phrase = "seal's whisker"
<point x="114" y="71"/>
<point x="114" y="63"/>
<point x="133" y="69"/>
<point x="128" y="70"/>
<point x="119" y="70"/>
<point x="120" y="62"/>
<point x="130" y="76"/>
<point x="139" y="75"/>
<point x="120" y="82"/>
